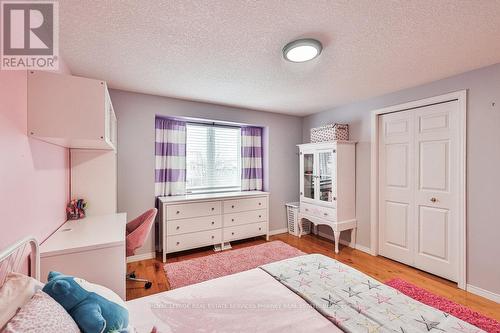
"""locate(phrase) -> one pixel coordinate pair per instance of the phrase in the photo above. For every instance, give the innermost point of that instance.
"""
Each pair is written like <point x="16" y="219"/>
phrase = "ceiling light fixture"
<point x="302" y="50"/>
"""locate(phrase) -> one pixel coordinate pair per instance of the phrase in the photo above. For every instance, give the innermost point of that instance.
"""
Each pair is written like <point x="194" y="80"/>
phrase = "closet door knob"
<point x="434" y="200"/>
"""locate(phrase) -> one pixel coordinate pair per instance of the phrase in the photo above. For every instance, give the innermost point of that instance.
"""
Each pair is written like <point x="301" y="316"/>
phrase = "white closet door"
<point x="396" y="203"/>
<point x="436" y="193"/>
<point x="418" y="188"/>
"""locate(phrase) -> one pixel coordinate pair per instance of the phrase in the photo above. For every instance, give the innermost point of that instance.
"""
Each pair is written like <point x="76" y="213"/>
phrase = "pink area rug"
<point x="183" y="273"/>
<point x="443" y="304"/>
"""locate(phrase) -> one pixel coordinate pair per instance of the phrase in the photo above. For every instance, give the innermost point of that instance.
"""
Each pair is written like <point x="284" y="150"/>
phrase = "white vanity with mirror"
<point x="328" y="186"/>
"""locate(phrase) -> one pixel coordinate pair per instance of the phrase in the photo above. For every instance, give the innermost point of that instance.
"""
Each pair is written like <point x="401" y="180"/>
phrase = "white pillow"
<point x="108" y="294"/>
<point x="16" y="292"/>
<point x="41" y="314"/>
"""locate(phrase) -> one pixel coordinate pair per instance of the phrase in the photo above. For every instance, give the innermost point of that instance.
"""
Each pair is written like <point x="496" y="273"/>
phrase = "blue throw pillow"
<point x="94" y="308"/>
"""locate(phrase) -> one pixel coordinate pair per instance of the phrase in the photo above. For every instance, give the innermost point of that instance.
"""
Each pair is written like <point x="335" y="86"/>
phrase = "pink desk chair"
<point x="137" y="232"/>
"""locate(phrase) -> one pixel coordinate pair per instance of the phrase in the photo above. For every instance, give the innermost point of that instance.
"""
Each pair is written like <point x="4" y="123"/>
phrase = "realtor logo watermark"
<point x="30" y="35"/>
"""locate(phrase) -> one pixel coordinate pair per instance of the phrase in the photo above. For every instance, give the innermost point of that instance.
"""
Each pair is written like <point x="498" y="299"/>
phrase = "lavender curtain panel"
<point x="251" y="159"/>
<point x="170" y="153"/>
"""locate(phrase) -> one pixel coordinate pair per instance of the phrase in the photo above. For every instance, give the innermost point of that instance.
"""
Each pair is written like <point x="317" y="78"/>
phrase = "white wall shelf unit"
<point x="70" y="111"/>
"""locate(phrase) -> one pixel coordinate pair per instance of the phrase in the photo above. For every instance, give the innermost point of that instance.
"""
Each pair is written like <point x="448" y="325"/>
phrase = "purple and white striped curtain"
<point x="170" y="153"/>
<point x="251" y="159"/>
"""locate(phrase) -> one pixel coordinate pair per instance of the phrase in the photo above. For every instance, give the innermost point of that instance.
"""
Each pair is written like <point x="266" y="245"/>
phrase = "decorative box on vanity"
<point x="328" y="186"/>
<point x="198" y="220"/>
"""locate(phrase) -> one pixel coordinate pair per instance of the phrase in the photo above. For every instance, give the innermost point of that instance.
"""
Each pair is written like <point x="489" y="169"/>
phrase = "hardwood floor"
<point x="379" y="268"/>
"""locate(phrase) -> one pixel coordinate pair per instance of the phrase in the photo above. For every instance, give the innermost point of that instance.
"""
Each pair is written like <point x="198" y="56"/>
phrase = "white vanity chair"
<point x="328" y="186"/>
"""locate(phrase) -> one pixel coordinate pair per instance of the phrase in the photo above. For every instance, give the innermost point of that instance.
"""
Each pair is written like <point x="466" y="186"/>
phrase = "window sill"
<point x="207" y="191"/>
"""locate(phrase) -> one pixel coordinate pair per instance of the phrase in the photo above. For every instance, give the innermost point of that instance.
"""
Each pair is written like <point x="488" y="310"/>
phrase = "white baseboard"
<point x="142" y="256"/>
<point x="346" y="243"/>
<point x="278" y="231"/>
<point x="483" y="293"/>
<point x="362" y="248"/>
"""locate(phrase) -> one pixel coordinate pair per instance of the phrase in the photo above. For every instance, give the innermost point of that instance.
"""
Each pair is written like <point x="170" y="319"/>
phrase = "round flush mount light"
<point x="302" y="50"/>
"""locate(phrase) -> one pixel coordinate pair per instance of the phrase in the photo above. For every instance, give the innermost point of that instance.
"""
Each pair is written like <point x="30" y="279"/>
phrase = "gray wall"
<point x="483" y="162"/>
<point x="136" y="135"/>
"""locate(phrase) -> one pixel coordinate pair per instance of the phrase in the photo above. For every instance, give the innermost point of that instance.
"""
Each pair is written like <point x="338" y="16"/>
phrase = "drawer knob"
<point x="177" y="212"/>
<point x="213" y="208"/>
<point x="260" y="228"/>
<point x="178" y="243"/>
<point x="260" y="204"/>
<point x="260" y="216"/>
<point x="232" y="206"/>
<point x="334" y="198"/>
<point x="232" y="233"/>
<point x="213" y="236"/>
<point x="307" y="209"/>
<point x="326" y="214"/>
<point x="213" y="222"/>
<point x="178" y="228"/>
<point x="232" y="220"/>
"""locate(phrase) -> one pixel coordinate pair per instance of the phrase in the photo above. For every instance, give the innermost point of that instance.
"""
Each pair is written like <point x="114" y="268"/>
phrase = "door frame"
<point x="461" y="97"/>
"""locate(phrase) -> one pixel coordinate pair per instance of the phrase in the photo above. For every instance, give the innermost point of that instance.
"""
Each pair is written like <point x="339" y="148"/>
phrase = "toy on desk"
<point x="76" y="209"/>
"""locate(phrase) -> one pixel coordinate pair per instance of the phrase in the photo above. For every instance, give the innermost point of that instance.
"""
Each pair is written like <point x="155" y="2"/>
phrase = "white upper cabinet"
<point x="70" y="111"/>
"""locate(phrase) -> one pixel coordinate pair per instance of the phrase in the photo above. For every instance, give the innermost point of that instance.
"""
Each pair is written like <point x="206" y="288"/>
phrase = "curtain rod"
<point x="208" y="122"/>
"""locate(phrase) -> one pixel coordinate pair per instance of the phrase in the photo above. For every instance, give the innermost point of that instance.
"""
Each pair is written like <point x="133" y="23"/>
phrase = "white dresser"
<point x="328" y="186"/>
<point x="198" y="220"/>
<point x="92" y="248"/>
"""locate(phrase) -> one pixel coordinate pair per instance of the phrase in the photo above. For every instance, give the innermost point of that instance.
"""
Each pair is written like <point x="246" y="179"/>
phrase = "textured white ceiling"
<point x="229" y="52"/>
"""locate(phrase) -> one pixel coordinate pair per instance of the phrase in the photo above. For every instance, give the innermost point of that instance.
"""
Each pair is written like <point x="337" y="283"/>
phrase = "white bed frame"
<point x="13" y="258"/>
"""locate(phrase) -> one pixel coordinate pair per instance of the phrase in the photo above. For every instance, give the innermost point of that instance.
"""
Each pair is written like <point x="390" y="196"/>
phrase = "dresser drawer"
<point x="182" y="226"/>
<point x="197" y="209"/>
<point x="252" y="216"/>
<point x="241" y="205"/>
<point x="319" y="211"/>
<point x="244" y="231"/>
<point x="196" y="239"/>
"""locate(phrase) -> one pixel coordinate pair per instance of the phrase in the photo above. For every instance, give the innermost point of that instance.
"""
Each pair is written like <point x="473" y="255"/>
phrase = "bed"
<point x="310" y="293"/>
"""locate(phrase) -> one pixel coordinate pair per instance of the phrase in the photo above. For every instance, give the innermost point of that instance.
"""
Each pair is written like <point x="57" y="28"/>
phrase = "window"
<point x="213" y="158"/>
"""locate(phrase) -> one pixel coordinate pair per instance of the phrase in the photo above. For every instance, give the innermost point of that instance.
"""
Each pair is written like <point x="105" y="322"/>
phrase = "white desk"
<point x="92" y="248"/>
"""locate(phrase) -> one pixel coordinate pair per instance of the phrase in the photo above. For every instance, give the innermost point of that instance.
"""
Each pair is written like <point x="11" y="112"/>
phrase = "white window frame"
<point x="214" y="189"/>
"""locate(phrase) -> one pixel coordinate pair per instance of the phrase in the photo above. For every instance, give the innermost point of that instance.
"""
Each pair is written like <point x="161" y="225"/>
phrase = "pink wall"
<point x="34" y="175"/>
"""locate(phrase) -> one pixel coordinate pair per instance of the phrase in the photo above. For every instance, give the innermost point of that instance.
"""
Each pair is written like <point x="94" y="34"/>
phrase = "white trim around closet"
<point x="461" y="97"/>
